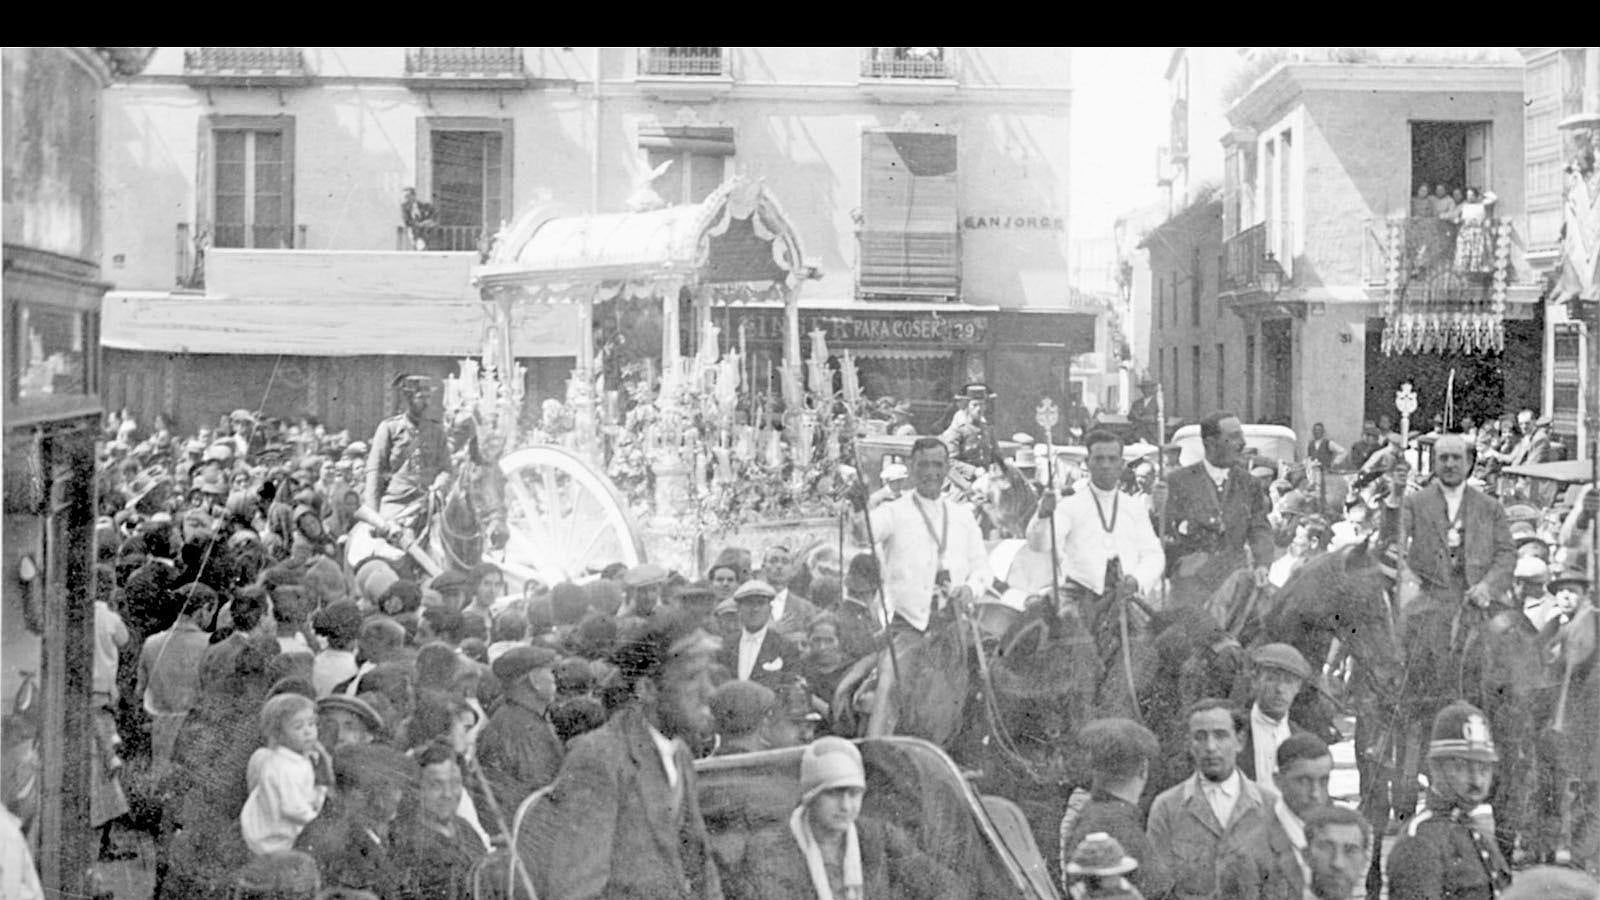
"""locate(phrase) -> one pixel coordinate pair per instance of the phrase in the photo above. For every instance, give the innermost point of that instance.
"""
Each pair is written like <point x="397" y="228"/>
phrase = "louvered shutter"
<point x="909" y="241"/>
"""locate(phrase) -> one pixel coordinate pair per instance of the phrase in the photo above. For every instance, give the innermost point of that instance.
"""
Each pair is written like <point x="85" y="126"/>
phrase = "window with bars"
<point x="247" y="166"/>
<point x="909" y="242"/>
<point x="464" y="169"/>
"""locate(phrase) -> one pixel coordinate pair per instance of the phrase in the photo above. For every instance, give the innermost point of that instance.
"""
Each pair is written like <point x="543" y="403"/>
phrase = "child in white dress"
<point x="288" y="777"/>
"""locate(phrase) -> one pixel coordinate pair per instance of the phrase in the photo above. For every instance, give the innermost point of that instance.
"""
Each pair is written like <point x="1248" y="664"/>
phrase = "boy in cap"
<point x="518" y="749"/>
<point x="1098" y="869"/>
<point x="1443" y="854"/>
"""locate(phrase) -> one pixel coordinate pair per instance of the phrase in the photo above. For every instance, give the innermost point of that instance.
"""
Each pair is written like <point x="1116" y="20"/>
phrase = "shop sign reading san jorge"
<point x="1014" y="223"/>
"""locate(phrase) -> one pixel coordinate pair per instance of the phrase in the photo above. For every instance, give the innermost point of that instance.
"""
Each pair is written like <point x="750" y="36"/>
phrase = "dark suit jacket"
<point x="1279" y="874"/>
<point x="892" y="866"/>
<point x="519" y="753"/>
<point x="1121" y="820"/>
<point x="614" y="828"/>
<point x="1486" y="539"/>
<point x="777" y="660"/>
<point x="1242" y="509"/>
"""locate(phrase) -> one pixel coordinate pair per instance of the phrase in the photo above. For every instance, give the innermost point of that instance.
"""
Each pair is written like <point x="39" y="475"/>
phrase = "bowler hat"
<point x="1461" y="731"/>
<point x="1282" y="656"/>
<point x="1102" y="855"/>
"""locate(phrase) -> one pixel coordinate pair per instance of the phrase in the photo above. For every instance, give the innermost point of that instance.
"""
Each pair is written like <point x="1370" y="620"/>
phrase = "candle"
<point x="724" y="466"/>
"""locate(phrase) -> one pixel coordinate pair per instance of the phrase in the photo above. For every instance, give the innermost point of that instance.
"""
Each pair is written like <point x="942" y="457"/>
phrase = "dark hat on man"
<point x="695" y="592"/>
<point x="449" y="580"/>
<point x="740" y="706"/>
<point x="1567" y="577"/>
<point x="1282" y="656"/>
<point x="976" y="391"/>
<point x="408" y="381"/>
<point x="754" y="590"/>
<point x="340" y="620"/>
<point x="520" y="660"/>
<point x="357" y="707"/>
<point x="1461" y="731"/>
<point x="573" y="676"/>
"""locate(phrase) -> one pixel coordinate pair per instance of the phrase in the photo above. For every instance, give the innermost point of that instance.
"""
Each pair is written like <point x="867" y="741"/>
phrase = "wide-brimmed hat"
<point x="357" y="707"/>
<point x="1100" y="854"/>
<point x="977" y="391"/>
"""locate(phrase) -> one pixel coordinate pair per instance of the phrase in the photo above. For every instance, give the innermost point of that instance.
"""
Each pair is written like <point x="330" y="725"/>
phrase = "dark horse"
<point x="464" y="520"/>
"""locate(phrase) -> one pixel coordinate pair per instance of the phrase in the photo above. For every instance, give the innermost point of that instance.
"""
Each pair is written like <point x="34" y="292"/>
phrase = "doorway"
<point x="1277" y="371"/>
<point x="1455" y="154"/>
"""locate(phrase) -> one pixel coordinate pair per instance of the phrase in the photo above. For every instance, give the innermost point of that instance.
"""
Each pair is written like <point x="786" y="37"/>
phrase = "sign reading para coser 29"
<point x="857" y="329"/>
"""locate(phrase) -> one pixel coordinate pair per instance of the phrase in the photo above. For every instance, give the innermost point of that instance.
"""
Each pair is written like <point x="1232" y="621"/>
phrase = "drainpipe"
<point x="594" y="139"/>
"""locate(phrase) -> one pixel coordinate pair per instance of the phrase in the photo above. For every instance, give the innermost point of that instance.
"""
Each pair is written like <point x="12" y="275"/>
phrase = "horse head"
<point x="1009" y="498"/>
<point x="1345" y="594"/>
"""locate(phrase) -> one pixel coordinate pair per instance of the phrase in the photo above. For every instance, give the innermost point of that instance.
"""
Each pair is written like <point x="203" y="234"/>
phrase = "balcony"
<point x="1243" y="257"/>
<point x="907" y="74"/>
<point x="684" y="74"/>
<point x="192" y="243"/>
<point x="469" y="68"/>
<point x="1445" y="284"/>
<point x="682" y="62"/>
<point x="904" y="62"/>
<point x="245" y="67"/>
<point x="443" y="238"/>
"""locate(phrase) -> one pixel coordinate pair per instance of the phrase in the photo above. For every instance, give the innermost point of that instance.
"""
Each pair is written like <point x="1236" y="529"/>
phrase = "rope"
<point x="997" y="726"/>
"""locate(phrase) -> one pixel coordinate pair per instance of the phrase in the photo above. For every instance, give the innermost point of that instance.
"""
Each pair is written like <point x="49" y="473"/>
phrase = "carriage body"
<point x="1272" y="442"/>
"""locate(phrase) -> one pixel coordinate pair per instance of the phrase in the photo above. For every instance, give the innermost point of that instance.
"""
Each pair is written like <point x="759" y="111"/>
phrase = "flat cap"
<point x="724" y="607"/>
<point x="644" y="575"/>
<point x="449" y="580"/>
<point x="1282" y="656"/>
<point x="754" y="589"/>
<point x="520" y="660"/>
<point x="740" y="706"/>
<point x="357" y="707"/>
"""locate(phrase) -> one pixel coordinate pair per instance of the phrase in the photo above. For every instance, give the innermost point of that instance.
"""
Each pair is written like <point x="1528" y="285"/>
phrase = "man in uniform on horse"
<point x="1216" y="515"/>
<point x="409" y="457"/>
<point x="969" y="436"/>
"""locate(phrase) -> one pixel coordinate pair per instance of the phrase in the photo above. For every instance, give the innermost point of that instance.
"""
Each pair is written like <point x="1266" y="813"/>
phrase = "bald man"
<point x="1457" y="542"/>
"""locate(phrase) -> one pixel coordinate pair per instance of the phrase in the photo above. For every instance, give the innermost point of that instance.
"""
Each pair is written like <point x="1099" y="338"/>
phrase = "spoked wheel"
<point x="564" y="516"/>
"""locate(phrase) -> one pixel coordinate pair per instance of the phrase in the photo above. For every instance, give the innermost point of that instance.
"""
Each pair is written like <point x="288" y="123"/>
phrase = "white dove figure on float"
<point x="644" y="197"/>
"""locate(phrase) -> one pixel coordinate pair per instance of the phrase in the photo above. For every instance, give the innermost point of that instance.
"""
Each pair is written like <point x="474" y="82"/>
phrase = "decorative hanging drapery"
<point x="1446" y="286"/>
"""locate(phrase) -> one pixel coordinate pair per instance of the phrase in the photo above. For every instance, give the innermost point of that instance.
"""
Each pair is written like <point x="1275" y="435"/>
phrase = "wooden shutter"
<point x="909" y="241"/>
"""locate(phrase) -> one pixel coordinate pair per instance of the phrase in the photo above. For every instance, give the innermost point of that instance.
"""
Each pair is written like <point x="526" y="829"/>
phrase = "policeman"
<point x="408" y="457"/>
<point x="1446" y="854"/>
<point x="968" y="435"/>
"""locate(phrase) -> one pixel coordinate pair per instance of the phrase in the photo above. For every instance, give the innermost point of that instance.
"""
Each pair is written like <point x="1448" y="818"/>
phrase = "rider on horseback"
<point x="409" y="458"/>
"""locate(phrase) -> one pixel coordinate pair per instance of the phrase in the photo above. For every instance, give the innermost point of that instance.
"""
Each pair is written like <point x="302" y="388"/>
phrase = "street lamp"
<point x="1271" y="276"/>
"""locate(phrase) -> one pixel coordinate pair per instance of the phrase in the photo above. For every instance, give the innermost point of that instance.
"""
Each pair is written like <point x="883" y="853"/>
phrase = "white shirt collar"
<point x="667" y="747"/>
<point x="1217" y="474"/>
<point x="1227" y="787"/>
<point x="1257" y="717"/>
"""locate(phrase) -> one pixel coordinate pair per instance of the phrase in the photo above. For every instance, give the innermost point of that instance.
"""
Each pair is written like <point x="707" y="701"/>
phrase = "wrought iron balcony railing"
<point x="1243" y="257"/>
<point x="245" y="61"/>
<point x="904" y="62"/>
<point x="465" y="62"/>
<point x="442" y="238"/>
<point x="682" y="61"/>
<point x="1431" y="259"/>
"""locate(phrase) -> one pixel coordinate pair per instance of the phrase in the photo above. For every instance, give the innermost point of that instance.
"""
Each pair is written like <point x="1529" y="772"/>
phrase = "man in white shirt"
<point x="1278" y="674"/>
<point x="1209" y="831"/>
<point x="928" y="544"/>
<point x="1099" y="524"/>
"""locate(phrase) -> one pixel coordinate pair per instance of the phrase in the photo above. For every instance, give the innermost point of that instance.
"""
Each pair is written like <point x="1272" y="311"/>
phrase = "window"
<point x="1161" y="299"/>
<point x="909" y="243"/>
<point x="690" y="179"/>
<point x="1194" y="369"/>
<point x="247" y="174"/>
<point x="1222" y="376"/>
<point x="464" y="170"/>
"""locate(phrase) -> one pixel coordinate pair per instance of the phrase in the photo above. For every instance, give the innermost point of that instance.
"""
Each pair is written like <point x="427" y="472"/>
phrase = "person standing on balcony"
<point x="1444" y="206"/>
<point x="1475" y="240"/>
<point x="1422" y="203"/>
<point x="418" y="217"/>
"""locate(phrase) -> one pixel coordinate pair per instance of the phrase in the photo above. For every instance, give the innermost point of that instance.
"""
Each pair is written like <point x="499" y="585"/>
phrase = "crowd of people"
<point x="280" y="721"/>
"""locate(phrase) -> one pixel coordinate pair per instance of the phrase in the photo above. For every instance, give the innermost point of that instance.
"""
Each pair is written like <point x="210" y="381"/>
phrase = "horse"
<point x="464" y="520"/>
<point x="1005" y="501"/>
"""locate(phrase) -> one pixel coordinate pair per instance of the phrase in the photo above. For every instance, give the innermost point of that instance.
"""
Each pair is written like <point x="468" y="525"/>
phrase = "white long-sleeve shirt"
<point x="1085" y="547"/>
<point x="911" y="557"/>
<point x="284" y="798"/>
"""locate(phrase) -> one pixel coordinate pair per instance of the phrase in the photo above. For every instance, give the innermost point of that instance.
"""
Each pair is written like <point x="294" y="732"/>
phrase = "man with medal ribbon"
<point x="1096" y="526"/>
<point x="1455" y="544"/>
